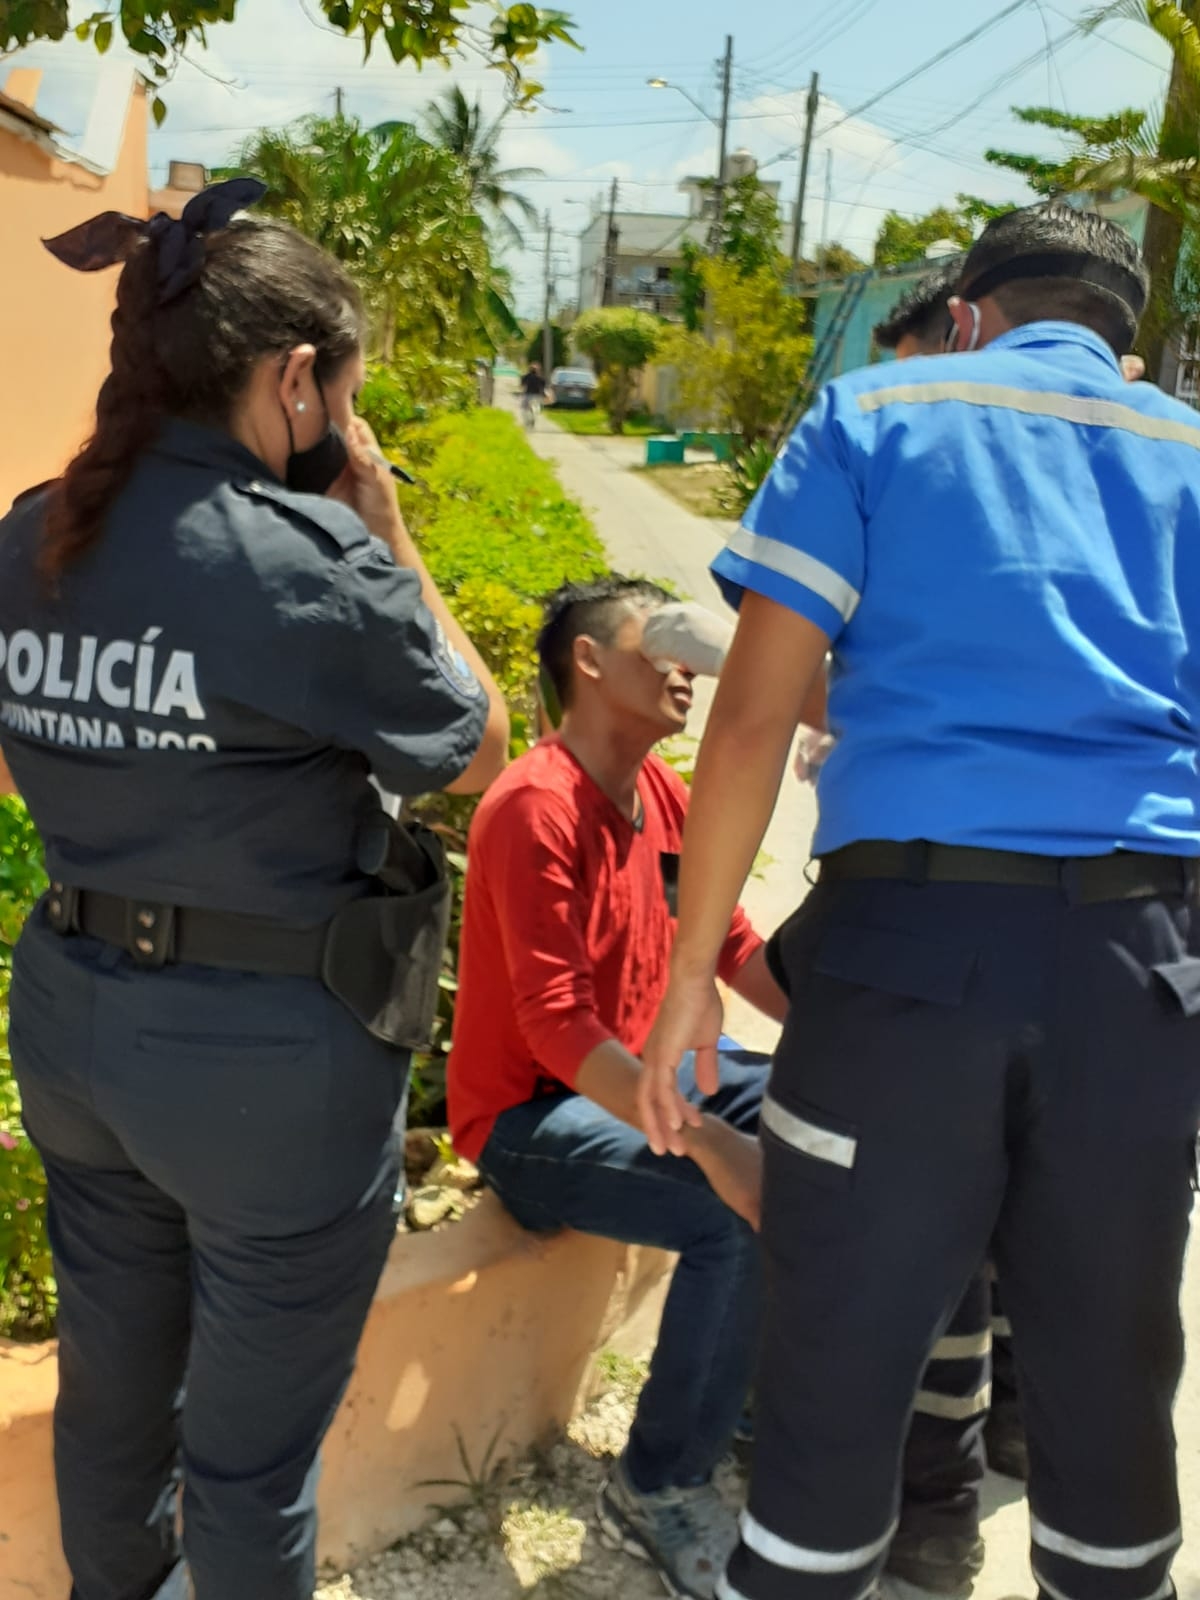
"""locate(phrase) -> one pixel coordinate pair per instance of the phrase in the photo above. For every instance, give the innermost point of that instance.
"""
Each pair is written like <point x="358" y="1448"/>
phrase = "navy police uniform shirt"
<point x="1004" y="548"/>
<point x="195" y="716"/>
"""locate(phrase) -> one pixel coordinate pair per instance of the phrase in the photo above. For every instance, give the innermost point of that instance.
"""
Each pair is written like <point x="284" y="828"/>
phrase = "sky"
<point x="877" y="147"/>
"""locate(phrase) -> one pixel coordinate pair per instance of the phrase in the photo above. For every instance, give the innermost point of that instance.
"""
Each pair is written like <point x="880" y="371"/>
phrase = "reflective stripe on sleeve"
<point x="954" y="1407"/>
<point x="1001" y="1328"/>
<point x="1119" y="1558"/>
<point x="1079" y="409"/>
<point x="797" y="565"/>
<point x="962" y="1346"/>
<point x="820" y="1143"/>
<point x="799" y="1558"/>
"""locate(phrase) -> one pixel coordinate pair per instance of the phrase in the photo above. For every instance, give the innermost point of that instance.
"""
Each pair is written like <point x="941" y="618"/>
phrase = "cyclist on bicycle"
<point x="533" y="392"/>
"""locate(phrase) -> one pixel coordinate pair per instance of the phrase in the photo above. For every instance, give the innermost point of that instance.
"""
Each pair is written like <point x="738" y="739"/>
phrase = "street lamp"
<point x="664" y="83"/>
<point x="721" y="124"/>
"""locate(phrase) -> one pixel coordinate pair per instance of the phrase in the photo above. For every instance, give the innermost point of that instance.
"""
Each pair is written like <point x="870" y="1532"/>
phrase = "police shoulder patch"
<point x="453" y="666"/>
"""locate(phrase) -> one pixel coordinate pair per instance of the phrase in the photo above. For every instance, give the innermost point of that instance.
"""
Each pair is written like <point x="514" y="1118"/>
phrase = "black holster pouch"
<point x="383" y="953"/>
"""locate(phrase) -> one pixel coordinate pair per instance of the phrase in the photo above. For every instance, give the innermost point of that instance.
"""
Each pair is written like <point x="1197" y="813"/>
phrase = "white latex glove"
<point x="689" y="636"/>
<point x="811" y="753"/>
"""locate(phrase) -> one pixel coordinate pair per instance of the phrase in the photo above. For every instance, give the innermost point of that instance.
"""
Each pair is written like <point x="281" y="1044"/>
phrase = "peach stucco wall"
<point x="480" y="1334"/>
<point x="56" y="332"/>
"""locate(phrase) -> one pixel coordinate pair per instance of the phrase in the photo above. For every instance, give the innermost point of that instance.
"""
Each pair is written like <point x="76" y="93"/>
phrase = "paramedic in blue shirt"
<point x="995" y="1026"/>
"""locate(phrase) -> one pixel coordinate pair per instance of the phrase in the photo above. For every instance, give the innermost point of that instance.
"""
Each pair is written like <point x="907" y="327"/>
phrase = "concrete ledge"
<point x="478" y="1331"/>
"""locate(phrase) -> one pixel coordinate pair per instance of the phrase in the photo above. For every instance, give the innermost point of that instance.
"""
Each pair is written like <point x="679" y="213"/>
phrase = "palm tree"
<point x="397" y="211"/>
<point x="1154" y="154"/>
<point x="454" y="124"/>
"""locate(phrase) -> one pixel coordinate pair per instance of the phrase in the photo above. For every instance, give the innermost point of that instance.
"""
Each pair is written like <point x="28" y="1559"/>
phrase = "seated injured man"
<point x="566" y="945"/>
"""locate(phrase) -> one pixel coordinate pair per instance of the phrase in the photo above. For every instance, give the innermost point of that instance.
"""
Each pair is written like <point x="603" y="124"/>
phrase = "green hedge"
<point x="498" y="533"/>
<point x="26" y="1282"/>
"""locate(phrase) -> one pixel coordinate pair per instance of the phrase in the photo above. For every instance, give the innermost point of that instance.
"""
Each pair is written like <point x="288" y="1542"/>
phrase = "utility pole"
<point x="610" y="248"/>
<point x="824" y="222"/>
<point x="723" y="144"/>
<point x="814" y="100"/>
<point x="337" y="104"/>
<point x="547" y="337"/>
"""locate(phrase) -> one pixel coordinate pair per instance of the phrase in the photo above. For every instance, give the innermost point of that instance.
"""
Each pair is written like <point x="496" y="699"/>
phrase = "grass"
<point x="700" y="486"/>
<point x="595" y="424"/>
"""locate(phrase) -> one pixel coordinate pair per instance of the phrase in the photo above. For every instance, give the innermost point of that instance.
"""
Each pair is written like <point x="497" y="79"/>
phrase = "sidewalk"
<point x="648" y="532"/>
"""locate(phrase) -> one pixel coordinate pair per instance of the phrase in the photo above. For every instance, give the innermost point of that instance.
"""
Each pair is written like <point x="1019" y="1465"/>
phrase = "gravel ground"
<point x="527" y="1528"/>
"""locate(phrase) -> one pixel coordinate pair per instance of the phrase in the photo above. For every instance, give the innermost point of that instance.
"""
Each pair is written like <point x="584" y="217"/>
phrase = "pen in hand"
<point x="396" y="472"/>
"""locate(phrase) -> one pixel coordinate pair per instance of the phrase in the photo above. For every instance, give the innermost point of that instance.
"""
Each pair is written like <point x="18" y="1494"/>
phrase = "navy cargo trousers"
<point x="221" y="1168"/>
<point x="969" y="1066"/>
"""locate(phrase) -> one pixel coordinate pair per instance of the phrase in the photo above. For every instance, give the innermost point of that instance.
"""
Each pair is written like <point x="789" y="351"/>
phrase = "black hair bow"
<point x="109" y="238"/>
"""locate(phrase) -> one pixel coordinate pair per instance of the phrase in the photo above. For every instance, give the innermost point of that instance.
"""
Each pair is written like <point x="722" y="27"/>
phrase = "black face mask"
<point x="317" y="469"/>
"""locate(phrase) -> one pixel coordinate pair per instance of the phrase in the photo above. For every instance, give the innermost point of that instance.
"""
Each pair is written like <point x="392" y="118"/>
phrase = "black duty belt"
<point x="155" y="934"/>
<point x="1084" y="880"/>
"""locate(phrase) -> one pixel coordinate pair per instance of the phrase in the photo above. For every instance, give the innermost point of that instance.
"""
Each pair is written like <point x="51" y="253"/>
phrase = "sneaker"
<point x="688" y="1535"/>
<point x="890" y="1587"/>
<point x="944" y="1565"/>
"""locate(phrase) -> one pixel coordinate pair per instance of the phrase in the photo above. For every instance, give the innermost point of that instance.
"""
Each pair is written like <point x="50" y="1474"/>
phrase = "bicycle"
<point x="530" y="406"/>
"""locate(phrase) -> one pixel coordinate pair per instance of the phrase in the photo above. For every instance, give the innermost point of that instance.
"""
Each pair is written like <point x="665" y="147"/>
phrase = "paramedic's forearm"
<point x="774" y="659"/>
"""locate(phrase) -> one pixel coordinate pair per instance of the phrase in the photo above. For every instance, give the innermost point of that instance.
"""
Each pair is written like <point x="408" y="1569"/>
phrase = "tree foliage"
<point x="902" y="239"/>
<point x="619" y="341"/>
<point x="506" y="37"/>
<point x="743" y="379"/>
<point x="749" y="238"/>
<point x="397" y="211"/>
<point x="458" y="125"/>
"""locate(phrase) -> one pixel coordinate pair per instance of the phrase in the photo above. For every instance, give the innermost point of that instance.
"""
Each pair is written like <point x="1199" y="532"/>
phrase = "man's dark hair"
<point x="923" y="313"/>
<point x="597" y="609"/>
<point x="1094" y="273"/>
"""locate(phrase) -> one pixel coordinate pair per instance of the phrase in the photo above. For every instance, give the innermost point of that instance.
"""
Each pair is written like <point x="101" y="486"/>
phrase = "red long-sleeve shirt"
<point x="566" y="932"/>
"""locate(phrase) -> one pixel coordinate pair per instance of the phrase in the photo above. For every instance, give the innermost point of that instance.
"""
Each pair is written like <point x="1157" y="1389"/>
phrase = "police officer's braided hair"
<point x="264" y="289"/>
<point x="596" y="608"/>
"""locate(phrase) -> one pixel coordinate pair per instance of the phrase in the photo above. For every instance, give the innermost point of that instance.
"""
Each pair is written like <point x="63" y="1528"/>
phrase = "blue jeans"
<point x="562" y="1161"/>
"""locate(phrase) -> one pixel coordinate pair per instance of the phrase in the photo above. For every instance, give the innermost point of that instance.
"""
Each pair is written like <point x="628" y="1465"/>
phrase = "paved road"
<point x="648" y="532"/>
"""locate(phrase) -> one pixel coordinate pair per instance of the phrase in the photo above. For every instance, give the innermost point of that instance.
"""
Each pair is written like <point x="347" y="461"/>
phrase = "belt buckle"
<point x="149" y="932"/>
<point x="62" y="908"/>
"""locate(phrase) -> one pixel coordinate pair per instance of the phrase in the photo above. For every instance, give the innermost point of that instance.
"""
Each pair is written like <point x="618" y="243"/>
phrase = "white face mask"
<point x="976" y="320"/>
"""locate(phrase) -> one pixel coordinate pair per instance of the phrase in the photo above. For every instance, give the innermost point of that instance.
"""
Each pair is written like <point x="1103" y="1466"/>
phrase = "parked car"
<point x="573" y="388"/>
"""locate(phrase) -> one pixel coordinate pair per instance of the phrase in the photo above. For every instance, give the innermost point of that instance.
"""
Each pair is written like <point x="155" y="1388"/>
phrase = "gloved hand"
<point x="687" y="635"/>
<point x="811" y="752"/>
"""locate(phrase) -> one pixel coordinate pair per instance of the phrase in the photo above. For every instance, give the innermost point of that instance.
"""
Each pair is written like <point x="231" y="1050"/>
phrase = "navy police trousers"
<point x="970" y="1066"/>
<point x="222" y="1168"/>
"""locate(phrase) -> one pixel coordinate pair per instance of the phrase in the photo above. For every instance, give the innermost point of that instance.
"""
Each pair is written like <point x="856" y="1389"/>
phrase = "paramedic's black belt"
<point x="1085" y="880"/>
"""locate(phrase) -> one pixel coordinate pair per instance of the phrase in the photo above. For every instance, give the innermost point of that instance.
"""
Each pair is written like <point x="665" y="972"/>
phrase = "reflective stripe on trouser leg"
<point x="943" y="1456"/>
<point x="1066" y="1568"/>
<point x="854" y="1571"/>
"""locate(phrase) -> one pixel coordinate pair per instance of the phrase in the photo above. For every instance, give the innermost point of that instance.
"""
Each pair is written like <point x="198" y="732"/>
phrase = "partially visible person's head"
<point x="536" y="367"/>
<point x="265" y="342"/>
<point x="1051" y="263"/>
<point x="917" y="324"/>
<point x="590" y="649"/>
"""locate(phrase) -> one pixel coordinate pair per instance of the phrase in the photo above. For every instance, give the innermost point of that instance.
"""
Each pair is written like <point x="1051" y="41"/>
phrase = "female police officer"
<point x="203" y="660"/>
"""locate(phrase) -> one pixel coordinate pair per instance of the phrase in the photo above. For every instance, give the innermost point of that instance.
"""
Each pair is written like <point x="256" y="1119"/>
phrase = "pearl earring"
<point x="300" y="405"/>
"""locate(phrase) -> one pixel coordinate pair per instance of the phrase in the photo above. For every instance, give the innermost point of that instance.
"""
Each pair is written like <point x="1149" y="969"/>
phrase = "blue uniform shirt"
<point x="1004" y="548"/>
<point x="195" y="717"/>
